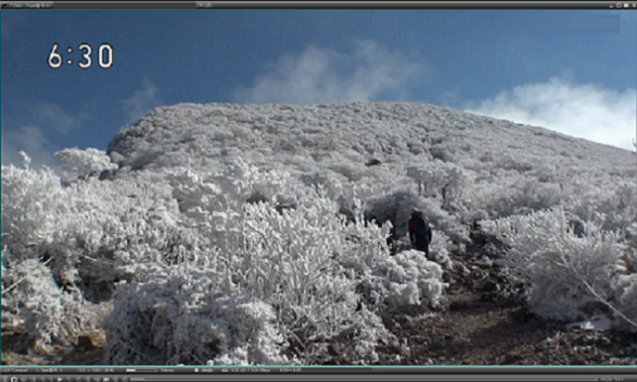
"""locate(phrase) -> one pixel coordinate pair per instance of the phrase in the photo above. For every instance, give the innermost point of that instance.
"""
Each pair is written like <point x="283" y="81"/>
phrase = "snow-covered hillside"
<point x="323" y="134"/>
<point x="241" y="234"/>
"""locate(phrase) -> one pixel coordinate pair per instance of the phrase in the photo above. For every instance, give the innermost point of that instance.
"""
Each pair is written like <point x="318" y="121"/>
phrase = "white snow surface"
<point x="599" y="323"/>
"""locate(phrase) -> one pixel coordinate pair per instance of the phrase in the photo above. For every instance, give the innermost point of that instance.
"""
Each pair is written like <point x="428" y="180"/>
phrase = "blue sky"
<point x="571" y="71"/>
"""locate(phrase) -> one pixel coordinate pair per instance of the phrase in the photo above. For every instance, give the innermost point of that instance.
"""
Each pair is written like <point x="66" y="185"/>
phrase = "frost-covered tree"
<point x="33" y="301"/>
<point x="566" y="272"/>
<point x="80" y="164"/>
<point x="439" y="179"/>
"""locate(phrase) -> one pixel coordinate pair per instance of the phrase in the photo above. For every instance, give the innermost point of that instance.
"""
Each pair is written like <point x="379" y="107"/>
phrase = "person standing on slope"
<point x="419" y="232"/>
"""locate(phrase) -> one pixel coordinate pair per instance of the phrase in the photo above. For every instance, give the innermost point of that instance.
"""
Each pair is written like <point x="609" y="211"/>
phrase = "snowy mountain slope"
<point x="390" y="132"/>
<point x="176" y="232"/>
<point x="506" y="169"/>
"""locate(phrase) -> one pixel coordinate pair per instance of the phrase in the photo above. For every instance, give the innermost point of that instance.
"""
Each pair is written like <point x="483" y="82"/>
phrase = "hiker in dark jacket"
<point x="419" y="232"/>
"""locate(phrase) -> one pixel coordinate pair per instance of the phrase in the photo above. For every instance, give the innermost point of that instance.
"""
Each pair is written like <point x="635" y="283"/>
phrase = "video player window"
<point x="318" y="187"/>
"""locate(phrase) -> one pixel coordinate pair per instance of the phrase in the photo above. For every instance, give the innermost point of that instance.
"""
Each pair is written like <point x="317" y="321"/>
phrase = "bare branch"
<point x="609" y="305"/>
<point x="22" y="279"/>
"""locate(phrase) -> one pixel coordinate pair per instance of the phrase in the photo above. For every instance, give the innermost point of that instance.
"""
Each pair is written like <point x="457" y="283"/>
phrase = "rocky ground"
<point x="484" y="327"/>
<point x="487" y="323"/>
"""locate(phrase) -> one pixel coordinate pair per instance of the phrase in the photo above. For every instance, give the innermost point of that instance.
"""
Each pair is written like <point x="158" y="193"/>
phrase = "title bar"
<point x="320" y="5"/>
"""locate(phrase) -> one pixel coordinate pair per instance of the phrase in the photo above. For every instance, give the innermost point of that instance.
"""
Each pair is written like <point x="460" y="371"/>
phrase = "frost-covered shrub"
<point x="72" y="243"/>
<point x="616" y="201"/>
<point x="130" y="223"/>
<point x="78" y="163"/>
<point x="533" y="196"/>
<point x="563" y="295"/>
<point x="631" y="237"/>
<point x="487" y="157"/>
<point x="30" y="201"/>
<point x="364" y="243"/>
<point x="350" y="170"/>
<point x="510" y="161"/>
<point x="211" y="202"/>
<point x="31" y="297"/>
<point x="322" y="178"/>
<point x="425" y="177"/>
<point x="558" y="263"/>
<point x="625" y="287"/>
<point x="415" y="280"/>
<point x="410" y="279"/>
<point x="295" y="261"/>
<point x="438" y="178"/>
<point x="439" y="250"/>
<point x="348" y="194"/>
<point x="35" y="211"/>
<point x="291" y="252"/>
<point x="302" y="262"/>
<point x="546" y="173"/>
<point x="94" y="233"/>
<point x="442" y="222"/>
<point x="441" y="153"/>
<point x="180" y="315"/>
<point x="455" y="183"/>
<point x="518" y="196"/>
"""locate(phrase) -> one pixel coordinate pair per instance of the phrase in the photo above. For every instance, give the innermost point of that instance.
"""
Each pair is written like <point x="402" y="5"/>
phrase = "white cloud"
<point x="144" y="99"/>
<point x="34" y="135"/>
<point x="320" y="75"/>
<point x="53" y="116"/>
<point x="580" y="110"/>
<point x="33" y="142"/>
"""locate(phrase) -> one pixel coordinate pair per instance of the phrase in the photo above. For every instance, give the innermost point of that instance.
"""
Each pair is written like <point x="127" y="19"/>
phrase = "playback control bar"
<point x="132" y="371"/>
<point x="324" y="377"/>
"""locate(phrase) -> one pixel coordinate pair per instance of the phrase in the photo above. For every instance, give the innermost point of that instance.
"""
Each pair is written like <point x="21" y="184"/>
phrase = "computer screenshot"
<point x="318" y="190"/>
